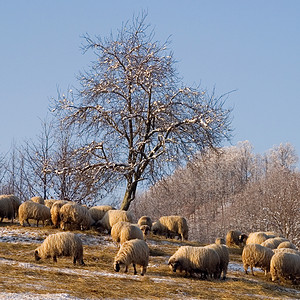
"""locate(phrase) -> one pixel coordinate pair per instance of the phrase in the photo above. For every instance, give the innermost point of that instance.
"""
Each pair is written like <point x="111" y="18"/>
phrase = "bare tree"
<point x="37" y="159"/>
<point x="134" y="116"/>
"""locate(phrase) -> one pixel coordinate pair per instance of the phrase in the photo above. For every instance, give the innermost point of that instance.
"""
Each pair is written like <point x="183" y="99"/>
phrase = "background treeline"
<point x="231" y="189"/>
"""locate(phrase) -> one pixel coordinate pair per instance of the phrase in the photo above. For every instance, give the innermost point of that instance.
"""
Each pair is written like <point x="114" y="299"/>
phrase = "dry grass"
<point x="97" y="279"/>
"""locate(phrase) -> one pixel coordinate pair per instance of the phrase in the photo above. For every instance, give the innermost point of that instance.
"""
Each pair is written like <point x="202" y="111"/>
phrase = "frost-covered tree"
<point x="134" y="117"/>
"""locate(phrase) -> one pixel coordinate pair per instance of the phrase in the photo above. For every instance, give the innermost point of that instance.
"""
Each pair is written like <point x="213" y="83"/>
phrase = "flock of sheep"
<point x="266" y="250"/>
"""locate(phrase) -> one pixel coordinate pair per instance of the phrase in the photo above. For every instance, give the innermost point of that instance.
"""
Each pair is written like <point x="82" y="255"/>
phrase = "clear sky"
<point x="251" y="46"/>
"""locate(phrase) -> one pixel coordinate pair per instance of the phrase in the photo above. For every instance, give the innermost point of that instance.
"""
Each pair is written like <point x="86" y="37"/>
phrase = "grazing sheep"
<point x="285" y="266"/>
<point x="132" y="252"/>
<point x="116" y="230"/>
<point x="16" y="202"/>
<point x="255" y="255"/>
<point x="287" y="250"/>
<point x="55" y="210"/>
<point x="273" y="243"/>
<point x="272" y="234"/>
<point x="6" y="208"/>
<point x="223" y="253"/>
<point x="234" y="238"/>
<point x="145" y="229"/>
<point x="61" y="244"/>
<point x="256" y="238"/>
<point x="125" y="231"/>
<point x="145" y="220"/>
<point x="98" y="212"/>
<point x="73" y="215"/>
<point x="38" y="199"/>
<point x="201" y="260"/>
<point x="50" y="202"/>
<point x="220" y="241"/>
<point x="111" y="217"/>
<point x="287" y="244"/>
<point x="168" y="225"/>
<point x="33" y="210"/>
<point x="130" y="232"/>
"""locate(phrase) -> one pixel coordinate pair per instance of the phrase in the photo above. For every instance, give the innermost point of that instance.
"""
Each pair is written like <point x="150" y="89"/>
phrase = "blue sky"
<point x="252" y="47"/>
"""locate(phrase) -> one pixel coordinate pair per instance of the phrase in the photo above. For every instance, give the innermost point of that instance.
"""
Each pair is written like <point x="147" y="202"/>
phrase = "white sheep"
<point x="33" y="210"/>
<point x="192" y="260"/>
<point x="257" y="238"/>
<point x="131" y="232"/>
<point x="61" y="244"/>
<point x="287" y="250"/>
<point x="98" y="212"/>
<point x="55" y="211"/>
<point x="255" y="255"/>
<point x="116" y="230"/>
<point x="223" y="253"/>
<point x="287" y="244"/>
<point x="273" y="243"/>
<point x="171" y="225"/>
<point x="73" y="215"/>
<point x="125" y="231"/>
<point x="50" y="202"/>
<point x="285" y="266"/>
<point x="111" y="217"/>
<point x="135" y="252"/>
<point x="38" y="199"/>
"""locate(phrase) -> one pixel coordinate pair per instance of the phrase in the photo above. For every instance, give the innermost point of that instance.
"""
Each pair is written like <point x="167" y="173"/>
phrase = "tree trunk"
<point x="129" y="195"/>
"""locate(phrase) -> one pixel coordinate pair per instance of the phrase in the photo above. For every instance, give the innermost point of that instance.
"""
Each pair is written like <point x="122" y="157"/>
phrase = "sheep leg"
<point x="28" y="222"/>
<point x="82" y="262"/>
<point x="143" y="270"/>
<point x="74" y="260"/>
<point x="126" y="269"/>
<point x="252" y="270"/>
<point x="2" y="219"/>
<point x="134" y="268"/>
<point x="246" y="269"/>
<point x="37" y="223"/>
<point x="54" y="258"/>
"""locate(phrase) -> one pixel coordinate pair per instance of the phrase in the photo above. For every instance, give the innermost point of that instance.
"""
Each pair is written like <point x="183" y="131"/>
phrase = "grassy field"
<point x="22" y="275"/>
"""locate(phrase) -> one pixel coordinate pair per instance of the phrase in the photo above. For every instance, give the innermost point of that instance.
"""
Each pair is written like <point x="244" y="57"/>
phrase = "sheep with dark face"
<point x="135" y="252"/>
<point x="145" y="220"/>
<point x="61" y="244"/>
<point x="235" y="238"/>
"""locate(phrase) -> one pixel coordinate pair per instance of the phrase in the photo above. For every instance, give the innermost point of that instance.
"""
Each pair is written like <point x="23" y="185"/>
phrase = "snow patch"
<point x="30" y="296"/>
